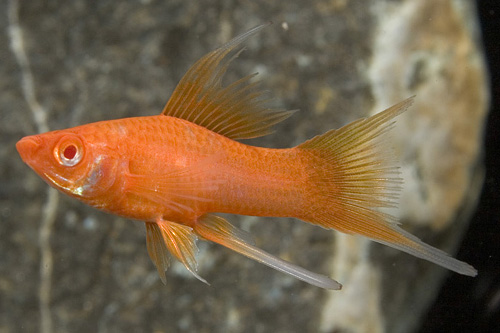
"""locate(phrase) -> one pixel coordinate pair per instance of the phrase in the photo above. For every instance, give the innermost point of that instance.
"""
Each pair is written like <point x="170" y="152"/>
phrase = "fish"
<point x="175" y="171"/>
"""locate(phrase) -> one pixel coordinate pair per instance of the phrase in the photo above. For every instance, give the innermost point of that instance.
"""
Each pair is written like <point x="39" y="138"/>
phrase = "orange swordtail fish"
<point x="175" y="170"/>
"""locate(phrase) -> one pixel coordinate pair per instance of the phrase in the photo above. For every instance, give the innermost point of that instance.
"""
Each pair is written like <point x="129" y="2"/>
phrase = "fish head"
<point x="70" y="161"/>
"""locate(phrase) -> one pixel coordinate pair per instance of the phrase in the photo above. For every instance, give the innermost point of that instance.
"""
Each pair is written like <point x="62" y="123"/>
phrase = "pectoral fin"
<point x="180" y="241"/>
<point x="176" y="189"/>
<point x="218" y="230"/>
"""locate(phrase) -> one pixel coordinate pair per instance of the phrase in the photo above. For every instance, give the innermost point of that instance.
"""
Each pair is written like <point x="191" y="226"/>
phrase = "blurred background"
<point x="65" y="267"/>
<point x="474" y="305"/>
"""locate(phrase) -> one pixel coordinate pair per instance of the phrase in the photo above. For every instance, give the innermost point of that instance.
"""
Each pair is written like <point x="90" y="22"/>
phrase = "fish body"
<point x="174" y="170"/>
<point x="148" y="155"/>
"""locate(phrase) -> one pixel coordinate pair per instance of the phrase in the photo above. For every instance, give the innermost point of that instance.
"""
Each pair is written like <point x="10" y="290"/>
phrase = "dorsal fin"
<point x="237" y="110"/>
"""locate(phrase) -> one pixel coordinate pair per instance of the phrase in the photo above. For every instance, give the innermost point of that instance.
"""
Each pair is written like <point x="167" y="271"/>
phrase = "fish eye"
<point x="69" y="151"/>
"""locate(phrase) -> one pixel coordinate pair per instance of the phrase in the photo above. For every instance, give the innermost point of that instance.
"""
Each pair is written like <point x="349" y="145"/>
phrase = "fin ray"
<point x="165" y="237"/>
<point x="157" y="250"/>
<point x="173" y="188"/>
<point x="218" y="230"/>
<point x="237" y="110"/>
<point x="353" y="174"/>
<point x="181" y="242"/>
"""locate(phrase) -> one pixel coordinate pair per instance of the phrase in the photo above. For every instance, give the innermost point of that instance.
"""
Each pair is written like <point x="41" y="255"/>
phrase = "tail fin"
<point x="354" y="174"/>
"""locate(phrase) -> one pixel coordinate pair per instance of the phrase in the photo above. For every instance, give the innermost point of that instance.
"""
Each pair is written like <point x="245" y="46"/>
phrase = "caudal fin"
<point x="354" y="174"/>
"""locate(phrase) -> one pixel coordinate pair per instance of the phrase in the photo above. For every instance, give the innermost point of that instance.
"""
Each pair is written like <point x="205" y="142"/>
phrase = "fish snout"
<point x="27" y="147"/>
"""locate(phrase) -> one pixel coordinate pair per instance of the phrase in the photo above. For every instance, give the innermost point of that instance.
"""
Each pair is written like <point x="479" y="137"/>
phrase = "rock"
<point x="68" y="267"/>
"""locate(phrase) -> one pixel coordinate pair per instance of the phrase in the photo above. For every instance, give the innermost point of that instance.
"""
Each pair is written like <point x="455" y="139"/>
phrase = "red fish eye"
<point x="69" y="152"/>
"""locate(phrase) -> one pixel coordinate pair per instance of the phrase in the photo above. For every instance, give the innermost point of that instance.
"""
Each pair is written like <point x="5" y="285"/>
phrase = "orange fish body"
<point x="174" y="170"/>
<point x="153" y="154"/>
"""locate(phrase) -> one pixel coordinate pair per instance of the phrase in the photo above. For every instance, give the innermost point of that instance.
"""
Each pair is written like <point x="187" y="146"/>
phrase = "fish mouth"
<point x="27" y="148"/>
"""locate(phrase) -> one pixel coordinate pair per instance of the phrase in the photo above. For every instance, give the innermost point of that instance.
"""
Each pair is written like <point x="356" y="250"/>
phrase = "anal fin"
<point x="218" y="230"/>
<point x="178" y="239"/>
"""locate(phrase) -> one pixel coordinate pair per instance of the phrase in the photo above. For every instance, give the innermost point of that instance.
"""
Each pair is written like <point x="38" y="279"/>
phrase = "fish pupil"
<point x="69" y="152"/>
